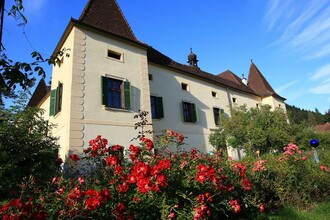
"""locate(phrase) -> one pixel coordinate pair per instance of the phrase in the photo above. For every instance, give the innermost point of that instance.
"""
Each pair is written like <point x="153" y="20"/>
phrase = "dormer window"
<point x="114" y="55"/>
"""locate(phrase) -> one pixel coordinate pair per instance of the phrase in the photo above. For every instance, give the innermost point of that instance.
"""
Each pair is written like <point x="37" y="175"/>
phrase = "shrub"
<point x="144" y="183"/>
<point x="27" y="153"/>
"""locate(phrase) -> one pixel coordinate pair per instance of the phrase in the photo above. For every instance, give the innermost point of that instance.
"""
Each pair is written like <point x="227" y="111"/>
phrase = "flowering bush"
<point x="150" y="182"/>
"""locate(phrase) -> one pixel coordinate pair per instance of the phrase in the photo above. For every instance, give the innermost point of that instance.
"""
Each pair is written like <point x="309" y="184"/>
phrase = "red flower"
<point x="149" y="144"/>
<point x="262" y="208"/>
<point x="200" y="177"/>
<point x="123" y="187"/>
<point x="135" y="151"/>
<point x="325" y="168"/>
<point x="118" y="170"/>
<point x="93" y="203"/>
<point x="112" y="160"/>
<point x="235" y="206"/>
<point x="81" y="180"/>
<point x="74" y="157"/>
<point x="59" y="161"/>
<point x="117" y="148"/>
<point x="171" y="215"/>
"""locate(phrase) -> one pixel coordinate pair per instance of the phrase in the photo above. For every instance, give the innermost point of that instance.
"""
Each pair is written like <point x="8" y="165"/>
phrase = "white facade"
<point x="95" y="54"/>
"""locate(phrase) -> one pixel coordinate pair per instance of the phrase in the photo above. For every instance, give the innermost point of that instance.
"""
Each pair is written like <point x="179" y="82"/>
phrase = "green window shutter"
<point x="183" y="111"/>
<point x="159" y="107"/>
<point x="127" y="95"/>
<point x="52" y="102"/>
<point x="59" y="91"/>
<point x="104" y="82"/>
<point x="194" y="112"/>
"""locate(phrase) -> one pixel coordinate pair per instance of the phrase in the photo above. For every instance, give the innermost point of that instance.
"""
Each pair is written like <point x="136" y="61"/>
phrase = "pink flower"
<point x="262" y="208"/>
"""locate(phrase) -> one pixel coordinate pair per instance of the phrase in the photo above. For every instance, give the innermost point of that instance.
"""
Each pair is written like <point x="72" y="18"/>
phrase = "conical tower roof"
<point x="106" y="15"/>
<point x="259" y="84"/>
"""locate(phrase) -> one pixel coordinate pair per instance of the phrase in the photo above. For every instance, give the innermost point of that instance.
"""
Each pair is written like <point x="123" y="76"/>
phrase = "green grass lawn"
<point x="320" y="212"/>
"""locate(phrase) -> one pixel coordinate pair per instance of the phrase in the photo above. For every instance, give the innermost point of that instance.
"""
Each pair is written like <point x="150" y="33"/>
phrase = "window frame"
<point x="189" y="112"/>
<point x="56" y="96"/>
<point x="156" y="105"/>
<point x="217" y="113"/>
<point x="109" y="94"/>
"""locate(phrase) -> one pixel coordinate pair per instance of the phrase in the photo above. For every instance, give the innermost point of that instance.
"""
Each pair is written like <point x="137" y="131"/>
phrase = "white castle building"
<point x="110" y="75"/>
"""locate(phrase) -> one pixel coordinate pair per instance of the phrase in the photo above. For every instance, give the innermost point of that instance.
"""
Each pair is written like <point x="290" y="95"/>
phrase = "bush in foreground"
<point x="171" y="185"/>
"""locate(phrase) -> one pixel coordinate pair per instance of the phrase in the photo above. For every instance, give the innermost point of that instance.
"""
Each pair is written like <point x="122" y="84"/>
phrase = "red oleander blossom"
<point x="124" y="187"/>
<point x="148" y="143"/>
<point x="236" y="208"/>
<point x="259" y="166"/>
<point x="117" y="148"/>
<point x="112" y="160"/>
<point x="134" y="152"/>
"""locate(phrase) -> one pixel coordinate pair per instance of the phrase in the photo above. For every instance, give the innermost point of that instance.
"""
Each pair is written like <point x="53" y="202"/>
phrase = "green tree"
<point x="26" y="149"/>
<point x="257" y="128"/>
<point x="22" y="74"/>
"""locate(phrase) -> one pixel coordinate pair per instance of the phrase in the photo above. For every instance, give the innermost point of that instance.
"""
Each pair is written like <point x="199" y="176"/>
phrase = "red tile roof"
<point x="39" y="94"/>
<point x="229" y="75"/>
<point x="157" y="57"/>
<point x="259" y="84"/>
<point x="323" y="127"/>
<point x="107" y="16"/>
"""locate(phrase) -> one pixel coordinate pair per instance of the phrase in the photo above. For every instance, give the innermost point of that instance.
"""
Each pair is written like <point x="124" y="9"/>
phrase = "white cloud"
<point x="286" y="86"/>
<point x="322" y="72"/>
<point x="304" y="28"/>
<point x="323" y="88"/>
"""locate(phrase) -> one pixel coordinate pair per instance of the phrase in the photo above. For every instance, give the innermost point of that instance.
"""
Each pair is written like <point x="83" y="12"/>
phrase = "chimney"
<point x="244" y="80"/>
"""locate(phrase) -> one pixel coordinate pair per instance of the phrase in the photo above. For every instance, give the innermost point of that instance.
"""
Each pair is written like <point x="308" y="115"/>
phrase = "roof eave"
<point x="73" y="22"/>
<point x="203" y="78"/>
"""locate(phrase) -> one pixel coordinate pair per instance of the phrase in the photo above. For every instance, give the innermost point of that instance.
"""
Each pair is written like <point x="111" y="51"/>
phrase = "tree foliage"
<point x="257" y="129"/>
<point x="298" y="116"/>
<point x="16" y="73"/>
<point x="25" y="147"/>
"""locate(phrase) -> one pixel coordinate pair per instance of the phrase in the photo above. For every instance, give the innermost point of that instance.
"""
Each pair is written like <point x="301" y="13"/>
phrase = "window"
<point x="116" y="93"/>
<point x="189" y="112"/>
<point x="217" y="113"/>
<point x="214" y="94"/>
<point x="114" y="55"/>
<point x="56" y="100"/>
<point x="234" y="100"/>
<point x="150" y="77"/>
<point x="156" y="107"/>
<point x="184" y="86"/>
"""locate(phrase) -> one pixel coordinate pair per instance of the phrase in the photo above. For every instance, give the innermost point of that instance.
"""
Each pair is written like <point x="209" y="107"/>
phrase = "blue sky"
<point x="288" y="40"/>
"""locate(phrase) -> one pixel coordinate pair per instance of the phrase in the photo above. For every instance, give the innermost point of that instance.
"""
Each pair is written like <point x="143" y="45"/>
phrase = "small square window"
<point x="150" y="77"/>
<point x="184" y="86"/>
<point x="114" y="55"/>
<point x="214" y="95"/>
<point x="234" y="100"/>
